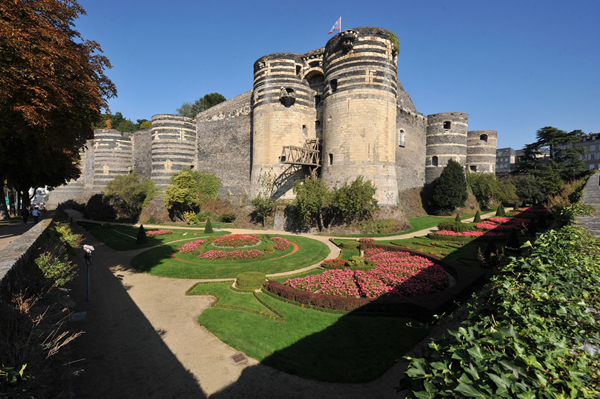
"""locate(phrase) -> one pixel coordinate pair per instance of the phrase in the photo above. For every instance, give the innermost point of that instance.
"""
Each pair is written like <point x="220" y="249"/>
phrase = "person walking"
<point x="36" y="215"/>
<point x="25" y="215"/>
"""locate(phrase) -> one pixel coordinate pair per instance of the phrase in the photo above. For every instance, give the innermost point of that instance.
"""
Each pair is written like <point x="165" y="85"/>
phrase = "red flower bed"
<point x="236" y="241"/>
<point x="281" y="244"/>
<point x="158" y="232"/>
<point x="397" y="273"/>
<point x="336" y="263"/>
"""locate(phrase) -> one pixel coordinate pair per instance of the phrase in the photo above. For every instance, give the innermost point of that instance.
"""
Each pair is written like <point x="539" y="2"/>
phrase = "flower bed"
<point x="396" y="273"/>
<point x="237" y="254"/>
<point x="461" y="234"/>
<point x="281" y="244"/>
<point x="336" y="263"/>
<point x="366" y="240"/>
<point x="158" y="232"/>
<point x="190" y="246"/>
<point x="236" y="241"/>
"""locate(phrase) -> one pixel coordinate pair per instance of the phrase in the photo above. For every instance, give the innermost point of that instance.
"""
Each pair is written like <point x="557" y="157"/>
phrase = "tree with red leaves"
<point x="52" y="89"/>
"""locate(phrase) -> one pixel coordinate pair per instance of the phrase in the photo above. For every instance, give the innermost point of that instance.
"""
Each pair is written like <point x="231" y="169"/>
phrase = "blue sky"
<point x="513" y="66"/>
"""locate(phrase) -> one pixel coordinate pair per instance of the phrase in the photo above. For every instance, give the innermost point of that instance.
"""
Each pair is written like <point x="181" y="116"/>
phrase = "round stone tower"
<point x="446" y="139"/>
<point x="481" y="151"/>
<point x="173" y="147"/>
<point x="283" y="114"/>
<point x="359" y="111"/>
<point x="113" y="156"/>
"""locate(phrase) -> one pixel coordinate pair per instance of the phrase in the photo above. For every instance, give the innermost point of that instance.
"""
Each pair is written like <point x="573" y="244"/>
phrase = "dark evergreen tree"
<point x="141" y="238"/>
<point x="501" y="211"/>
<point x="450" y="189"/>
<point x="457" y="218"/>
<point x="208" y="229"/>
<point x="477" y="218"/>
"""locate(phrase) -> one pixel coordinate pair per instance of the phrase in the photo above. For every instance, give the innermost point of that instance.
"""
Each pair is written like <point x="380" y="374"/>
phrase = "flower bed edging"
<point x="422" y="307"/>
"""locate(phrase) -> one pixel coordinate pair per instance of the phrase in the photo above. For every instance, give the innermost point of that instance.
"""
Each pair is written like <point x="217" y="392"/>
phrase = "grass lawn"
<point x="319" y="345"/>
<point x="123" y="238"/>
<point x="158" y="261"/>
<point x="11" y="220"/>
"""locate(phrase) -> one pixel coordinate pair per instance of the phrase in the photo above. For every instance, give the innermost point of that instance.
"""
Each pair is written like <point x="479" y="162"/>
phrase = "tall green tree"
<point x="450" y="189"/>
<point x="52" y="87"/>
<point x="129" y="193"/>
<point x="553" y="148"/>
<point x="312" y="198"/>
<point x="354" y="201"/>
<point x="529" y="189"/>
<point x="202" y="104"/>
<point x="189" y="189"/>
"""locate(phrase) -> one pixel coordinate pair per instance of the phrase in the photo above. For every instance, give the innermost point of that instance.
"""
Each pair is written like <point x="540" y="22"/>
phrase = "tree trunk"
<point x="11" y="201"/>
<point x="3" y="211"/>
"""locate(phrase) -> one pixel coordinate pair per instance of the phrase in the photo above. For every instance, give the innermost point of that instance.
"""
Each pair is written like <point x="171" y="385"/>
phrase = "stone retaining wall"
<point x="591" y="196"/>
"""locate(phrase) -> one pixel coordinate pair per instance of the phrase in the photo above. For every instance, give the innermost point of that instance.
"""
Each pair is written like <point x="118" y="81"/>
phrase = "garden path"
<point x="142" y="339"/>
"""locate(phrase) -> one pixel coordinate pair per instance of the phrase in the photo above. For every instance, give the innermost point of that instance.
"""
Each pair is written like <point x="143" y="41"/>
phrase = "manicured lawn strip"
<point x="123" y="238"/>
<point x="282" y="280"/>
<point x="318" y="345"/>
<point x="158" y="261"/>
<point x="227" y="298"/>
<point x="347" y="254"/>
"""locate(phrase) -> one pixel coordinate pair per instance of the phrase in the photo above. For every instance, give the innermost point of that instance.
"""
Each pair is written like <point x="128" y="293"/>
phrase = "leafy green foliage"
<point x="263" y="206"/>
<point x="528" y="189"/>
<point x="453" y="225"/>
<point x="531" y="334"/>
<point x="56" y="271"/>
<point x="500" y="211"/>
<point x="202" y="104"/>
<point x="129" y="193"/>
<point x="189" y="189"/>
<point x="450" y="189"/>
<point x="354" y="201"/>
<point x="553" y="149"/>
<point x="227" y="217"/>
<point x="312" y="198"/>
<point x="14" y="382"/>
<point x="477" y="218"/>
<point x="208" y="229"/>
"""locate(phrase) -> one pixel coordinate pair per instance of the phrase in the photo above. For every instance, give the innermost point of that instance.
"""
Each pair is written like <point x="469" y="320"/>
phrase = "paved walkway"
<point x="10" y="232"/>
<point x="142" y="340"/>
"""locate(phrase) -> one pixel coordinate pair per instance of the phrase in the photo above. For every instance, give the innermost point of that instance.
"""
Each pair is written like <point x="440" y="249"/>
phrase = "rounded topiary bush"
<point x="269" y="249"/>
<point x="250" y="281"/>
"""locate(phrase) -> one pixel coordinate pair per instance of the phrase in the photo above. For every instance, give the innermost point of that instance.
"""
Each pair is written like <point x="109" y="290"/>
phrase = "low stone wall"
<point x="591" y="196"/>
<point x="19" y="254"/>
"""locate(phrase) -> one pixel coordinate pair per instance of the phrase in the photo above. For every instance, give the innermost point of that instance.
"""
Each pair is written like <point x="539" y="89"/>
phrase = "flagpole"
<point x="340" y="24"/>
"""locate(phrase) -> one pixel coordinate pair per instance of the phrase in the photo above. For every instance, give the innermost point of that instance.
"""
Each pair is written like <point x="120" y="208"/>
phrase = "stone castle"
<point x="337" y="112"/>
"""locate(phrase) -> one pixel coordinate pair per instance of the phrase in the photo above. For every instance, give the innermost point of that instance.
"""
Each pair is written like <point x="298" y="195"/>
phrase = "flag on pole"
<point x="337" y="25"/>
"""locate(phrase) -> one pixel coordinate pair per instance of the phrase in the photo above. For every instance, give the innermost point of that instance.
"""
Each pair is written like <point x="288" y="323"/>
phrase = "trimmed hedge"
<point x="457" y="227"/>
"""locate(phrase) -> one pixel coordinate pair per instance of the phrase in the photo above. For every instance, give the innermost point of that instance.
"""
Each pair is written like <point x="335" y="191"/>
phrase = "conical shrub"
<point x="477" y="218"/>
<point x="208" y="228"/>
<point x="457" y="218"/>
<point x="141" y="238"/>
<point x="501" y="211"/>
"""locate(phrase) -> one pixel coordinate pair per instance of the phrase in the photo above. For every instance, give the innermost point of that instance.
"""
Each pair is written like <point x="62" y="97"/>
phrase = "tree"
<point x="129" y="193"/>
<point x="189" y="189"/>
<point x="264" y="207"/>
<point x="118" y="122"/>
<point x="312" y="198"/>
<point x="52" y="89"/>
<point x="202" y="104"/>
<point x="553" y="148"/>
<point x="484" y="187"/>
<point x="354" y="201"/>
<point x="528" y="189"/>
<point x="450" y="189"/>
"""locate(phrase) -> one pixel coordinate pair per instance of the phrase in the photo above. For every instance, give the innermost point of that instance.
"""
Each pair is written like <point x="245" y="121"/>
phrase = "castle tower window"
<point x="434" y="161"/>
<point x="473" y="168"/>
<point x="483" y="137"/>
<point x="304" y="131"/>
<point x="330" y="159"/>
<point x="333" y="83"/>
<point x="298" y="70"/>
<point x="317" y="100"/>
<point x="282" y="158"/>
<point x="401" y="138"/>
<point x="447" y="125"/>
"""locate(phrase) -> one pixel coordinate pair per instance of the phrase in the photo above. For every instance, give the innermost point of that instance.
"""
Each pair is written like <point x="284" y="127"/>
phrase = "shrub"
<point x="141" y="237"/>
<point x="360" y="263"/>
<point x="450" y="189"/>
<point x="208" y="228"/>
<point x="55" y="271"/>
<point x="250" y="281"/>
<point x="457" y="218"/>
<point x="189" y="217"/>
<point x="349" y="245"/>
<point x="336" y="263"/>
<point x="269" y="249"/>
<point x="228" y="217"/>
<point x="210" y="239"/>
<point x="477" y="218"/>
<point x="454" y="226"/>
<point x="500" y="211"/>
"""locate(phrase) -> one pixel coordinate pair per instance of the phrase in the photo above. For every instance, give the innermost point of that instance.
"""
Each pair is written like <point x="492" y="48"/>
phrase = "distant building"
<point x="591" y="145"/>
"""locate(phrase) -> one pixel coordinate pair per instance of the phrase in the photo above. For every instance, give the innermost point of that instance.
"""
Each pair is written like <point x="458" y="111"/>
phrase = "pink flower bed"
<point x="281" y="244"/>
<point x="236" y="241"/>
<point x="486" y="225"/>
<point x="367" y="240"/>
<point x="396" y="273"/>
<point x="499" y="219"/>
<point x="159" y="232"/>
<point x="190" y="246"/>
<point x="459" y="234"/>
<point x="237" y="254"/>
